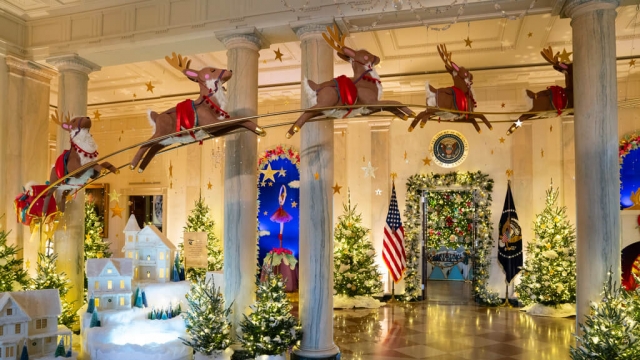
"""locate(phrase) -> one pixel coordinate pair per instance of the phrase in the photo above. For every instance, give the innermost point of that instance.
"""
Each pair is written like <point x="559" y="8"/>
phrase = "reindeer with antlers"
<point x="554" y="98"/>
<point x="83" y="151"/>
<point x="363" y="90"/>
<point x="458" y="97"/>
<point x="207" y="109"/>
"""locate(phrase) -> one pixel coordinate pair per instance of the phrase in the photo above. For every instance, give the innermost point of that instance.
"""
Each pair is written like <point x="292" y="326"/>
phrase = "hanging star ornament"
<point x="509" y="173"/>
<point x="278" y="55"/>
<point x="96" y="115"/>
<point x="564" y="56"/>
<point x="268" y="173"/>
<point x="150" y="87"/>
<point x="294" y="204"/>
<point x="502" y="105"/>
<point x="134" y="95"/>
<point x="116" y="211"/>
<point x="369" y="170"/>
<point x="316" y="176"/>
<point x="518" y="123"/>
<point x="114" y="196"/>
<point x="170" y="169"/>
<point x="209" y="185"/>
<point x="632" y="63"/>
<point x="426" y="161"/>
<point x="378" y="192"/>
<point x="467" y="42"/>
<point x="551" y="128"/>
<point x="530" y="34"/>
<point x="336" y="188"/>
<point x="501" y="140"/>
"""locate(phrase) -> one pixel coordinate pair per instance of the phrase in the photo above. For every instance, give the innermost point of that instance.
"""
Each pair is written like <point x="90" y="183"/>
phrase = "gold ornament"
<point x="268" y="173"/>
<point x="294" y="204"/>
<point x="278" y="55"/>
<point x="336" y="189"/>
<point x="467" y="42"/>
<point x="150" y="87"/>
<point x="564" y="56"/>
<point x="209" y="185"/>
<point x="426" y="161"/>
<point x="501" y="140"/>
<point x="116" y="211"/>
<point x="114" y="196"/>
<point x="96" y="115"/>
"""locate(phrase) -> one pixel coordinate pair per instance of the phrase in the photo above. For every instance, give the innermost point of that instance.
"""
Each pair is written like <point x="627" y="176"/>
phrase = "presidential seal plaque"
<point x="449" y="148"/>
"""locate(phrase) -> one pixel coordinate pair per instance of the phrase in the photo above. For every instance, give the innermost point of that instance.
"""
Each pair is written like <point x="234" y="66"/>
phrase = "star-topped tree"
<point x="200" y="220"/>
<point x="94" y="245"/>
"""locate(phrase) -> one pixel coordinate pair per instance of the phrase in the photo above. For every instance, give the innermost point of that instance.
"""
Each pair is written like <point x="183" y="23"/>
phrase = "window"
<point x="161" y="273"/>
<point x="161" y="256"/>
<point x="41" y="324"/>
<point x="17" y="329"/>
<point x="9" y="312"/>
<point x="8" y="352"/>
<point x="135" y="273"/>
<point x="168" y="273"/>
<point x="130" y="255"/>
<point x="109" y="271"/>
<point x="97" y="302"/>
<point x="48" y="340"/>
<point x="110" y="284"/>
<point x="44" y="323"/>
<point x="96" y="285"/>
<point x="130" y="238"/>
<point x="136" y="255"/>
<point x="148" y="274"/>
<point x="121" y="300"/>
<point x="121" y="284"/>
<point x="1" y="331"/>
<point x="148" y="257"/>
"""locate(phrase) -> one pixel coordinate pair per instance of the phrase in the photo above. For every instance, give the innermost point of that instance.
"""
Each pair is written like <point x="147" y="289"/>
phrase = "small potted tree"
<point x="270" y="330"/>
<point x="206" y="321"/>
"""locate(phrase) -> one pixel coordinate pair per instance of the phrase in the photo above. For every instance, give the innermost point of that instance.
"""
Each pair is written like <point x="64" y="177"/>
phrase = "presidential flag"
<point x="510" y="242"/>
<point x="393" y="244"/>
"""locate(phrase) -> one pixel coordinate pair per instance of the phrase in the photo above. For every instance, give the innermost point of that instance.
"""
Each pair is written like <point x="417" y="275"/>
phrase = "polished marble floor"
<point x="450" y="326"/>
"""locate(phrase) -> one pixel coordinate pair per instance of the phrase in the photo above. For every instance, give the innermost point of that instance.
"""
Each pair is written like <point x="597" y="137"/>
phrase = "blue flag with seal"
<point x="510" y="242"/>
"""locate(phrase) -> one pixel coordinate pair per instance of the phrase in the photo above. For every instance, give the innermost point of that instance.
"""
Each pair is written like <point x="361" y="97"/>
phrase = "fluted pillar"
<point x="596" y="144"/>
<point x="316" y="209"/>
<point x="73" y="82"/>
<point x="240" y="171"/>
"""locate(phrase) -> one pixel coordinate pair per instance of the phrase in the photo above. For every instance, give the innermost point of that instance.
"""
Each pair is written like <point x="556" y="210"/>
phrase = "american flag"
<point x="393" y="244"/>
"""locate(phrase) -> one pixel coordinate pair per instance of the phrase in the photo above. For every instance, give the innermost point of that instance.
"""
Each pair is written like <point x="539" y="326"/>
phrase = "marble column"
<point x="596" y="144"/>
<point x="240" y="175"/>
<point x="24" y="157"/>
<point x="316" y="209"/>
<point x="73" y="82"/>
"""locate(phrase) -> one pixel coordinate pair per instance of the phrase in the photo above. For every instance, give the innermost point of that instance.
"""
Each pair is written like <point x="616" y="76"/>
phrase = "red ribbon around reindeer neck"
<point x="85" y="153"/>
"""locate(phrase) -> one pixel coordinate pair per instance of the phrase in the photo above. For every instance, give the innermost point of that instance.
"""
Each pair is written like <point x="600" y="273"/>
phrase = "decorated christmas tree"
<point x="200" y="221"/>
<point x="355" y="272"/>
<point x="60" y="350"/>
<point x="270" y="329"/>
<point x="612" y="330"/>
<point x="94" y="245"/>
<point x="48" y="278"/>
<point x="14" y="277"/>
<point x="549" y="273"/>
<point x="206" y="320"/>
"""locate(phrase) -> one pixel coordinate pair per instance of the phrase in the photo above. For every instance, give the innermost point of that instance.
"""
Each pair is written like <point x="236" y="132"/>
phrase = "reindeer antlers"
<point x="56" y="119"/>
<point x="548" y="55"/>
<point x="335" y="40"/>
<point x="445" y="56"/>
<point x="178" y="62"/>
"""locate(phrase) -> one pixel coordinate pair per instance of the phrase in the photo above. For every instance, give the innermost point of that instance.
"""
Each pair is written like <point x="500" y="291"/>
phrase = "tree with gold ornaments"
<point x="14" y="277"/>
<point x="355" y="271"/>
<point x="549" y="272"/>
<point x="94" y="245"/>
<point x="200" y="221"/>
<point x="48" y="278"/>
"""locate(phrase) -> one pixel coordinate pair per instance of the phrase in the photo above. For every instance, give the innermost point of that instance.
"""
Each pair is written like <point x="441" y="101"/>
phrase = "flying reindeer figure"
<point x="554" y="98"/>
<point x="207" y="109"/>
<point x="83" y="150"/>
<point x="458" y="97"/>
<point x="363" y="90"/>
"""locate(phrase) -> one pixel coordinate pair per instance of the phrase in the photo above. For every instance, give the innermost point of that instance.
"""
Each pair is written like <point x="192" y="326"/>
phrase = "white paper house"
<point x="31" y="318"/>
<point x="150" y="250"/>
<point x="109" y="280"/>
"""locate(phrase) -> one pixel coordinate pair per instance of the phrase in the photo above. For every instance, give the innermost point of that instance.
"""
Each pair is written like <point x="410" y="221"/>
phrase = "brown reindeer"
<point x="205" y="110"/>
<point x="363" y="90"/>
<point x="458" y="97"/>
<point x="554" y="98"/>
<point x="83" y="150"/>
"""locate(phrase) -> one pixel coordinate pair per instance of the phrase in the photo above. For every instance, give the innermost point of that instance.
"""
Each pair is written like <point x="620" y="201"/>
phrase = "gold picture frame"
<point x="99" y="194"/>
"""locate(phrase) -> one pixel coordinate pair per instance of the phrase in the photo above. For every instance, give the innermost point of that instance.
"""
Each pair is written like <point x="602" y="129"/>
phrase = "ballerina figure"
<point x="281" y="216"/>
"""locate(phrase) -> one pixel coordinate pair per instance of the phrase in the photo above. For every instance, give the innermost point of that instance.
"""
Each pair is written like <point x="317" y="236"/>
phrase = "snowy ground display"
<point x="130" y="335"/>
<point x="560" y="311"/>
<point x="346" y="302"/>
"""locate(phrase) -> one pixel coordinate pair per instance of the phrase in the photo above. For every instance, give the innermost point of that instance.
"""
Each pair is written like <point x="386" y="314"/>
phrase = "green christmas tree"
<point x="355" y="272"/>
<point x="270" y="329"/>
<point x="48" y="278"/>
<point x="612" y="331"/>
<point x="549" y="272"/>
<point x="60" y="350"/>
<point x="200" y="221"/>
<point x="14" y="277"/>
<point x="95" y="320"/>
<point x="94" y="245"/>
<point x="206" y="320"/>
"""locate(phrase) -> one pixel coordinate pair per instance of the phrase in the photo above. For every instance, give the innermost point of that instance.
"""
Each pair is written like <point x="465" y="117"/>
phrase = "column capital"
<point x="574" y="8"/>
<point x="313" y="28"/>
<point x="248" y="37"/>
<point x="73" y="62"/>
<point x="30" y="69"/>
<point x="380" y="125"/>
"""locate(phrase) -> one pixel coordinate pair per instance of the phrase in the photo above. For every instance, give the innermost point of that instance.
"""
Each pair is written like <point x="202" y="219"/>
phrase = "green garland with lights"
<point x="413" y="226"/>
<point x="450" y="220"/>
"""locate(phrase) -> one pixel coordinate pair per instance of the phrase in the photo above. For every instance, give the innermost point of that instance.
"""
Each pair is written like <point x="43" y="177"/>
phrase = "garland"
<point x="279" y="152"/>
<point x="413" y="226"/>
<point x="627" y="144"/>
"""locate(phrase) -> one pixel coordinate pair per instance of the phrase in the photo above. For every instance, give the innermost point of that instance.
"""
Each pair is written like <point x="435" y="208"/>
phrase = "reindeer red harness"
<point x="347" y="90"/>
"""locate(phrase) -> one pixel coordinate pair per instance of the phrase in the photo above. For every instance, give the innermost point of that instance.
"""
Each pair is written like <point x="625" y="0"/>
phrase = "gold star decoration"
<point x="502" y="105"/>
<point x="69" y="198"/>
<point x="209" y="185"/>
<point x="150" y="87"/>
<point x="265" y="213"/>
<point x="88" y="237"/>
<point x="405" y="154"/>
<point x="426" y="161"/>
<point x="551" y="128"/>
<point x="316" y="176"/>
<point x="393" y="176"/>
<point x="263" y="184"/>
<point x="28" y="263"/>
<point x="268" y="173"/>
<point x="294" y="204"/>
<point x="363" y="160"/>
<point x="467" y="42"/>
<point x="134" y="95"/>
<point x="114" y="196"/>
<point x="170" y="169"/>
<point x="278" y="55"/>
<point x="632" y="63"/>
<point x="96" y="115"/>
<point x="282" y="172"/>
<point x="116" y="211"/>
<point x="541" y="152"/>
<point x="509" y="173"/>
<point x="270" y="183"/>
<point x="530" y="34"/>
<point x="564" y="56"/>
<point x="336" y="189"/>
<point x="501" y="140"/>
